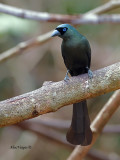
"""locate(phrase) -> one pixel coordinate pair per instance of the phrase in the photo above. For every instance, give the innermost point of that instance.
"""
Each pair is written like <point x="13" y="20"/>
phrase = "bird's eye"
<point x="64" y="29"/>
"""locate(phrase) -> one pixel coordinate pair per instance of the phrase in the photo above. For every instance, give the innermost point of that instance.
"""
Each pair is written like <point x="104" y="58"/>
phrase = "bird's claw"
<point x="66" y="78"/>
<point x="90" y="74"/>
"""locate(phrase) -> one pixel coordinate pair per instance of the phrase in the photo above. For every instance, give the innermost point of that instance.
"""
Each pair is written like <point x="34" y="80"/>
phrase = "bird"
<point x="76" y="53"/>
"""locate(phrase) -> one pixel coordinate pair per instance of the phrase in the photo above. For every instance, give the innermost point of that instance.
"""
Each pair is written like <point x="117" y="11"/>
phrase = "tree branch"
<point x="59" y="138"/>
<point x="96" y="19"/>
<point x="60" y="124"/>
<point x="21" y="47"/>
<point x="52" y="96"/>
<point x="97" y="125"/>
<point x="112" y="4"/>
<point x="87" y="18"/>
<point x="53" y="135"/>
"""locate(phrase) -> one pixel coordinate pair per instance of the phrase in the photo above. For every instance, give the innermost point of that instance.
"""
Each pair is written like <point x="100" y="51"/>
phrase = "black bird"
<point x="76" y="53"/>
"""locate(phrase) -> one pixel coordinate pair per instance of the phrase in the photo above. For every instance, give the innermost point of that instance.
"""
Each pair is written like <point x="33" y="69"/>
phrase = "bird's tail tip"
<point x="78" y="138"/>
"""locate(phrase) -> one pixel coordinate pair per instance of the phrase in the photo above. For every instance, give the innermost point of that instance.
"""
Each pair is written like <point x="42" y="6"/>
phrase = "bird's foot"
<point x="66" y="76"/>
<point x="90" y="73"/>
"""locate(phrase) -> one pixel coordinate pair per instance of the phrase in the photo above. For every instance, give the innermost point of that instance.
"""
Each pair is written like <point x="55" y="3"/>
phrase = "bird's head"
<point x="64" y="31"/>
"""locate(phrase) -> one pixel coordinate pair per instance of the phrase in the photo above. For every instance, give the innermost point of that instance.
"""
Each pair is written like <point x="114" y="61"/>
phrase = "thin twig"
<point x="52" y="123"/>
<point x="60" y="139"/>
<point x="97" y="19"/>
<point x="49" y="134"/>
<point x="87" y="18"/>
<point x="53" y="96"/>
<point x="97" y="125"/>
<point x="112" y="4"/>
<point x="64" y="125"/>
<point x="109" y="129"/>
<point x="96" y="154"/>
<point x="21" y="47"/>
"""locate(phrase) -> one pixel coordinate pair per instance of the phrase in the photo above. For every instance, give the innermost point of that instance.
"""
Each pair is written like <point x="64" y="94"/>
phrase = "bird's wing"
<point x="87" y="50"/>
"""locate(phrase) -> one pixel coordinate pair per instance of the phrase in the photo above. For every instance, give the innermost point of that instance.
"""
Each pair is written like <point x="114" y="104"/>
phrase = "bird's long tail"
<point x="79" y="132"/>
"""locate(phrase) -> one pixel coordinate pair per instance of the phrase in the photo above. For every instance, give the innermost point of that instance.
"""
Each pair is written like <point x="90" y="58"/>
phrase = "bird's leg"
<point x="90" y="73"/>
<point x="66" y="76"/>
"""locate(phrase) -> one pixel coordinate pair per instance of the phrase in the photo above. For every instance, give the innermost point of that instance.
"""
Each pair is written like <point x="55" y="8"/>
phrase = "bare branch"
<point x="97" y="125"/>
<point x="53" y="135"/>
<point x="52" y="123"/>
<point x="112" y="129"/>
<point x="112" y="4"/>
<point x="53" y="96"/>
<point x="96" y="19"/>
<point x="21" y="47"/>
<point x="95" y="154"/>
<point x="64" y="125"/>
<point x="87" y="18"/>
<point x="59" y="138"/>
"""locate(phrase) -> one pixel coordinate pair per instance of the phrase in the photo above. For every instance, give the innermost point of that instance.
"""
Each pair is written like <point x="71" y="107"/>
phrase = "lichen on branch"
<point x="54" y="95"/>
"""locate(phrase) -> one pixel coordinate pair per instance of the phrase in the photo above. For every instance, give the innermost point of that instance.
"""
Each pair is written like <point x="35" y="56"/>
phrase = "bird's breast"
<point x="74" y="54"/>
<point x="75" y="57"/>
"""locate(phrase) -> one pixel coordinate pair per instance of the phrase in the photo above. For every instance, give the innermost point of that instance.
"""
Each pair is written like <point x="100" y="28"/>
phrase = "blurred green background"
<point x="28" y="71"/>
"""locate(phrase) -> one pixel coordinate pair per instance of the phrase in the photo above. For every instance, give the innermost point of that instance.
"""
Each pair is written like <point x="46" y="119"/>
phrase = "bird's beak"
<point x="55" y="33"/>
